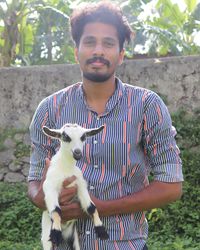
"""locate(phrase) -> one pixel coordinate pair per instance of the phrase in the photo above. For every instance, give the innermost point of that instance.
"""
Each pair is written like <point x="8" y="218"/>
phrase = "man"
<point x="138" y="137"/>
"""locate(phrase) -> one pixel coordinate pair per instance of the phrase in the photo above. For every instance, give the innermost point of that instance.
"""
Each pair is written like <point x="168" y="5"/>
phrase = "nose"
<point x="98" y="50"/>
<point x="77" y="154"/>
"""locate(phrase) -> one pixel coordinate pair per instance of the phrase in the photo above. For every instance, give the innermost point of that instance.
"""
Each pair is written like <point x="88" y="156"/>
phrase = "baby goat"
<point x="63" y="165"/>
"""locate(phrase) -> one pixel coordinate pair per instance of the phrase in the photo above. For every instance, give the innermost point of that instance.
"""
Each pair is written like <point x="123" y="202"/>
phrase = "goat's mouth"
<point x="77" y="154"/>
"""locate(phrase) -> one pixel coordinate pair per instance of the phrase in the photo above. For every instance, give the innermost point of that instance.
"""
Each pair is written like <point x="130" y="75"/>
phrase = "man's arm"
<point x="157" y="194"/>
<point x="35" y="189"/>
<point x="36" y="194"/>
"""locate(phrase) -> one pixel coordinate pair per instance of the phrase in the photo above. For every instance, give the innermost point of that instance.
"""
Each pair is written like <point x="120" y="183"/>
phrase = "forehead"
<point x="98" y="29"/>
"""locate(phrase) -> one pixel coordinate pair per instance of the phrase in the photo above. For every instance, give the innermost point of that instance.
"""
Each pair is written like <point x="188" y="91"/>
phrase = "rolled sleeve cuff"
<point x="30" y="178"/>
<point x="169" y="173"/>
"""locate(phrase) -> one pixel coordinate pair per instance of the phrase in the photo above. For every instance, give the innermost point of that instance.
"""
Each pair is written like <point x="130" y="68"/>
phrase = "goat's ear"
<point x="94" y="131"/>
<point x="54" y="133"/>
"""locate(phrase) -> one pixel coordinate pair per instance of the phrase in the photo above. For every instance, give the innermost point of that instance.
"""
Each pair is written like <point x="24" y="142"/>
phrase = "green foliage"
<point x="19" y="219"/>
<point x="52" y="37"/>
<point x="173" y="244"/>
<point x="34" y="32"/>
<point x="168" y="30"/>
<point x="7" y="245"/>
<point x="177" y="226"/>
<point x="40" y="33"/>
<point x="174" y="227"/>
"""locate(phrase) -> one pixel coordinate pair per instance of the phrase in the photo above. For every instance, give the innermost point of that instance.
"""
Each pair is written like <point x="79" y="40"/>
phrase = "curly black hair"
<point x="104" y="12"/>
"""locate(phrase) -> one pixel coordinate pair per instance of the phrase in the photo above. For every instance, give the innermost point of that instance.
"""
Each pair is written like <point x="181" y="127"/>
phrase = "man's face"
<point x="98" y="53"/>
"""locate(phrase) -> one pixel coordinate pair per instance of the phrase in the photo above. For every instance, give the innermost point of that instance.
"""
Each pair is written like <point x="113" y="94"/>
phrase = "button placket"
<point x="87" y="232"/>
<point x="96" y="122"/>
<point x="91" y="187"/>
<point x="95" y="141"/>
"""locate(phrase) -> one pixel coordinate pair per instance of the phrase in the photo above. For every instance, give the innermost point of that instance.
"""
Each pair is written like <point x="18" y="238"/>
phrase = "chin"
<point x="97" y="77"/>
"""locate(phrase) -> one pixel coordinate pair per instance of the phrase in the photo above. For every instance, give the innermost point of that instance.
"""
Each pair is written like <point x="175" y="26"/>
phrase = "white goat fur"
<point x="62" y="166"/>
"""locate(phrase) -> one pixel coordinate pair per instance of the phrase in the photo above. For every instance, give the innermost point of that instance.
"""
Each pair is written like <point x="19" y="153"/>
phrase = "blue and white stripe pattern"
<point x="138" y="138"/>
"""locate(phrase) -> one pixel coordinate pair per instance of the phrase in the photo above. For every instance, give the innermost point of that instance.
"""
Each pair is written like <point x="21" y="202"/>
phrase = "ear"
<point x="76" y="54"/>
<point x="54" y="133"/>
<point x="94" y="131"/>
<point x="121" y="56"/>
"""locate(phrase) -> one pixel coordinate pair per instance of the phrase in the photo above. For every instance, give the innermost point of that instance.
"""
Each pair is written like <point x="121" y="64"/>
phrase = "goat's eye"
<point x="83" y="137"/>
<point x="66" y="137"/>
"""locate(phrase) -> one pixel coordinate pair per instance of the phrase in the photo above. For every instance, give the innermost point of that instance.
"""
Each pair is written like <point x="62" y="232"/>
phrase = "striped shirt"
<point x="138" y="138"/>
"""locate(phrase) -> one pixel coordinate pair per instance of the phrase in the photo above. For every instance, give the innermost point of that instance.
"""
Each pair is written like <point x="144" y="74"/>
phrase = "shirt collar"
<point x="113" y="100"/>
<point x="117" y="95"/>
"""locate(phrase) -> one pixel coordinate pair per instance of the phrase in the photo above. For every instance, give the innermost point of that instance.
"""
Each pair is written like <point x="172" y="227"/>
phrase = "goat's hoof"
<point x="101" y="233"/>
<point x="55" y="237"/>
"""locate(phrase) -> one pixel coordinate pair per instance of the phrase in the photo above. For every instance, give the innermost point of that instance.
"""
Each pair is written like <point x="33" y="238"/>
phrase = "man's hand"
<point x="70" y="207"/>
<point x="68" y="192"/>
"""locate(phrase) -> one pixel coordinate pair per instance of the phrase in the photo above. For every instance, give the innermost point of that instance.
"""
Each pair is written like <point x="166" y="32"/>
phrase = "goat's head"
<point x="72" y="137"/>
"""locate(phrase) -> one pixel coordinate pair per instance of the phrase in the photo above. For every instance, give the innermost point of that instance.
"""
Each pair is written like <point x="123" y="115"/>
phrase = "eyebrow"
<point x="104" y="38"/>
<point x="88" y="37"/>
<point x="110" y="39"/>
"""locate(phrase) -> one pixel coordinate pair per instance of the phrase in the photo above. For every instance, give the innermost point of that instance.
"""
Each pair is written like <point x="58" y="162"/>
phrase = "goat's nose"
<point x="77" y="154"/>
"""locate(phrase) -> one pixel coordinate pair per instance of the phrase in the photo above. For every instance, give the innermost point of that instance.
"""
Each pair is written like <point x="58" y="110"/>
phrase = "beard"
<point x="96" y="77"/>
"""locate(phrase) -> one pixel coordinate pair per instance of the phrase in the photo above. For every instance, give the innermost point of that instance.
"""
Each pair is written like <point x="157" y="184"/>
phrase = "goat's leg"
<point x="70" y="234"/>
<point x="76" y="240"/>
<point x="89" y="207"/>
<point x="46" y="228"/>
<point x="55" y="233"/>
<point x="51" y="199"/>
<point x="100" y="230"/>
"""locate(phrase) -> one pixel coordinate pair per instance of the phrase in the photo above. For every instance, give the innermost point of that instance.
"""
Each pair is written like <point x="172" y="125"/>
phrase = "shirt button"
<point x="91" y="187"/>
<point x="87" y="232"/>
<point x="95" y="141"/>
<point x="96" y="166"/>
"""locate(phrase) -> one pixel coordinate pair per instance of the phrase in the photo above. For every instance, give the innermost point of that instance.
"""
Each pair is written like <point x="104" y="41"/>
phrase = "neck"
<point x="102" y="91"/>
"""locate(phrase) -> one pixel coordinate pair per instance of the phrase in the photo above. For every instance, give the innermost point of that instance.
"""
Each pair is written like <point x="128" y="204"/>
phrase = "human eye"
<point x="89" y="42"/>
<point x="109" y="43"/>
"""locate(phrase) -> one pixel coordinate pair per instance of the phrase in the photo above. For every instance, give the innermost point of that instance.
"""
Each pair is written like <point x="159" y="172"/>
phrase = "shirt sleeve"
<point x="42" y="147"/>
<point x="159" y="142"/>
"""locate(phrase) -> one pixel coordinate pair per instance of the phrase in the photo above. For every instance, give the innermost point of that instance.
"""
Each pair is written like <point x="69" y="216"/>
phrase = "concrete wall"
<point x="177" y="79"/>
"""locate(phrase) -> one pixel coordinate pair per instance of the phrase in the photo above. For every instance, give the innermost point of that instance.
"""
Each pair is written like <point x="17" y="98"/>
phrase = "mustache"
<point x="99" y="59"/>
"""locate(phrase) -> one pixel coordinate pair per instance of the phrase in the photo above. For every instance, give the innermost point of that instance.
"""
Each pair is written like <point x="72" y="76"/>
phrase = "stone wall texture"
<point x="175" y="79"/>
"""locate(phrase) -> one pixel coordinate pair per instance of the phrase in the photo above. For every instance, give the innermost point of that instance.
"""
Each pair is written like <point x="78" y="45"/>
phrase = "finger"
<point x="47" y="161"/>
<point x="67" y="195"/>
<point x="69" y="180"/>
<point x="72" y="207"/>
<point x="72" y="211"/>
<point x="68" y="191"/>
